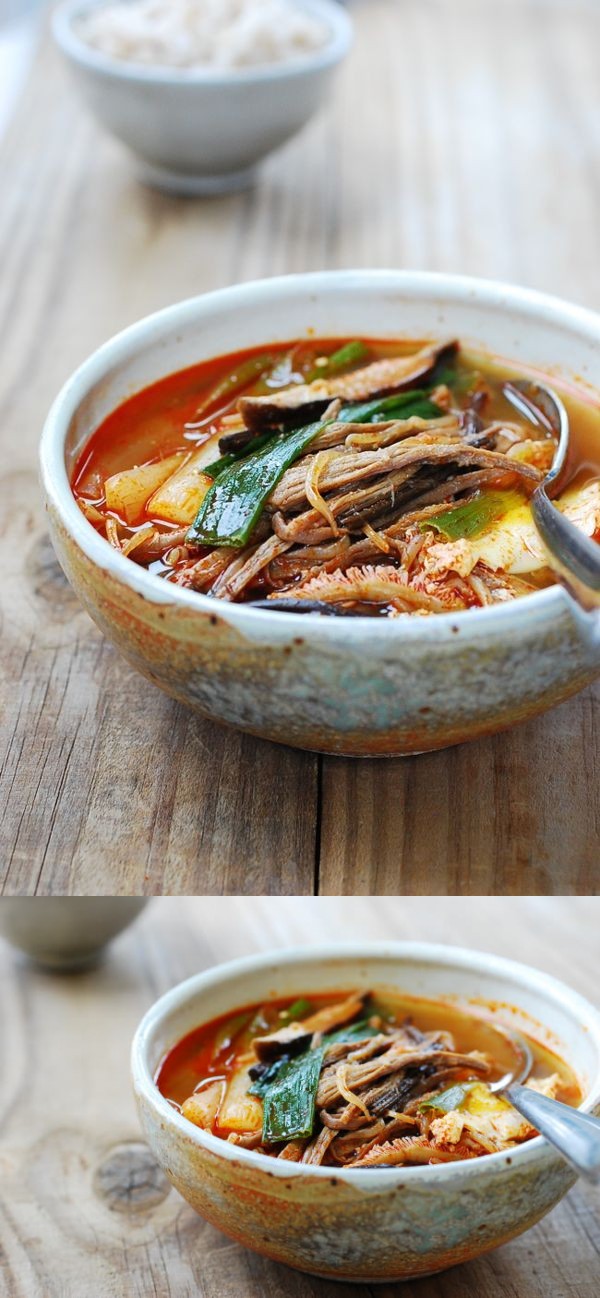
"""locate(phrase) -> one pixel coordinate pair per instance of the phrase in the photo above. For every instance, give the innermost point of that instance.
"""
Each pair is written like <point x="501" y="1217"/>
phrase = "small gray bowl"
<point x="202" y="130"/>
<point x="66" y="932"/>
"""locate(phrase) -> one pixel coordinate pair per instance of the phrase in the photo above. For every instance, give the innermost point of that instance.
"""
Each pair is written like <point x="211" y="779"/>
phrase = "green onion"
<point x="295" y="1011"/>
<point x="347" y="355"/>
<point x="248" y="372"/>
<point x="401" y="405"/>
<point x="289" y="1101"/>
<point x="355" y="1032"/>
<point x="245" y="479"/>
<point x="216" y="467"/>
<point x="289" y="1104"/>
<point x="472" y="516"/>
<point x="266" y="1079"/>
<point x="233" y="505"/>
<point x="456" y="375"/>
<point x="450" y="1099"/>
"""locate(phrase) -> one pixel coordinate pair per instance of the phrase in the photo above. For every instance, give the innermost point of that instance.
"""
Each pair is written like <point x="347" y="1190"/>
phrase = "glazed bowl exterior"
<point x="359" y="686"/>
<point x="366" y="1225"/>
<point x="202" y="130"/>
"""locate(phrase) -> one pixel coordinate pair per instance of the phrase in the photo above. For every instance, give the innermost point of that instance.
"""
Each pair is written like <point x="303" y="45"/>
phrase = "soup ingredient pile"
<point x="348" y="1085"/>
<point x="335" y="480"/>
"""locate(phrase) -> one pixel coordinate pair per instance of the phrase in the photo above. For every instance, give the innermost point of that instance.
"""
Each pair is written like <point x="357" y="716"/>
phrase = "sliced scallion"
<point x="232" y="506"/>
<point x="289" y="1102"/>
<point x="244" y="480"/>
<point x="400" y="405"/>
<point x="349" y="354"/>
<point x="216" y="467"/>
<point x="296" y="1011"/>
<point x="241" y="377"/>
<point x="452" y="1098"/>
<point x="473" y="516"/>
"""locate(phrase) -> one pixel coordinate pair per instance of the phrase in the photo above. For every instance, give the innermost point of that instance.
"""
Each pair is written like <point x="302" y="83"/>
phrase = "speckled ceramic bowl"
<point x="355" y="686"/>
<point x="381" y="1224"/>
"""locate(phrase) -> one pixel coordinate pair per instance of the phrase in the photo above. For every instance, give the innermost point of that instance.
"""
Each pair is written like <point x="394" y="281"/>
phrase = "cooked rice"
<point x="225" y="34"/>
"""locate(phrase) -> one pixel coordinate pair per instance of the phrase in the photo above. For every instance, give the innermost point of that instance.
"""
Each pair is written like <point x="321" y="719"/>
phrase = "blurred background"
<point x="19" y="28"/>
<point x="459" y="135"/>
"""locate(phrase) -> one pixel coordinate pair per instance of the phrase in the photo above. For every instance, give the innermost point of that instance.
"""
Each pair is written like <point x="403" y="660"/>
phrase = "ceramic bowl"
<point x="66" y="932"/>
<point x="366" y="1225"/>
<point x="202" y="131"/>
<point x="356" y="686"/>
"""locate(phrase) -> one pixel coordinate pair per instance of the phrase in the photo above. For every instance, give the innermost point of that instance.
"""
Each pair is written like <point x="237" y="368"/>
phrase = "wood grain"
<point x="461" y="136"/>
<point x="509" y="814"/>
<point x="85" y="1213"/>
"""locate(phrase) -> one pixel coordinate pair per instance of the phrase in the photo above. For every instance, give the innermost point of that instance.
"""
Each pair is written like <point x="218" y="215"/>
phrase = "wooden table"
<point x="463" y="135"/>
<point x="84" y="1212"/>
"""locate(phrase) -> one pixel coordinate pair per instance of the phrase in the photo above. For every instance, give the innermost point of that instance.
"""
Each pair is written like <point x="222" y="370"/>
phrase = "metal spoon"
<point x="574" y="1134"/>
<point x="575" y="558"/>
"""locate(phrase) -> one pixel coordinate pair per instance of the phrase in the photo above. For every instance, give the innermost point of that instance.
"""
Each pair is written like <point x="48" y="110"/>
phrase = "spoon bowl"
<point x="574" y="557"/>
<point x="519" y="1074"/>
<point x="574" y="1134"/>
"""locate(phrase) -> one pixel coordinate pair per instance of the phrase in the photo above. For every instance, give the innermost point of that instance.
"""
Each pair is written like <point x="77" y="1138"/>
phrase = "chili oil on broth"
<point x="162" y="418"/>
<point x="221" y="1051"/>
<point x="193" y="408"/>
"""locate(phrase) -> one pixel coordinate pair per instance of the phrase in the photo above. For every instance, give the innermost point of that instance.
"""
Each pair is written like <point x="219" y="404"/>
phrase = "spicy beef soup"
<point x="338" y="477"/>
<point x="357" y="1080"/>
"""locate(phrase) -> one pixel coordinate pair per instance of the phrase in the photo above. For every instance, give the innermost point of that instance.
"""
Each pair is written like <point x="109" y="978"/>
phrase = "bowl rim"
<point x="482" y="624"/>
<point x="458" y="957"/>
<point x="335" y="17"/>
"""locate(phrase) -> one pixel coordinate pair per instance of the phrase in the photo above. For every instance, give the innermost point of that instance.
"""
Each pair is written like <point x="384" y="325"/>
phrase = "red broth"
<point x="164" y="417"/>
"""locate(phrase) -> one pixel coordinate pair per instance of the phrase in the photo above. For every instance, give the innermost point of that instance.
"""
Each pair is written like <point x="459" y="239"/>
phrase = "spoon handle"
<point x="576" y="1135"/>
